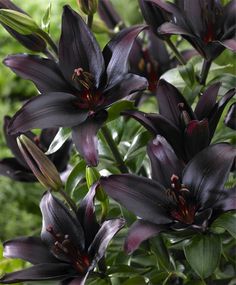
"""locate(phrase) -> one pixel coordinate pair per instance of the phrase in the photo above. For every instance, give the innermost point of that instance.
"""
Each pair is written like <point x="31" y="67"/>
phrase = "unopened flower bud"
<point x="44" y="170"/>
<point x="89" y="7"/>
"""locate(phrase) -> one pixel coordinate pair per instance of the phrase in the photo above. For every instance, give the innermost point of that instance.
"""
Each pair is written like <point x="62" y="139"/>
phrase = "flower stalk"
<point x="113" y="147"/>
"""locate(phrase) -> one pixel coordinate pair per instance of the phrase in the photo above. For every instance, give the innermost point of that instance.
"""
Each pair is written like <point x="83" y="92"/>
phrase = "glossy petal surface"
<point x="48" y="111"/>
<point x="31" y="249"/>
<point x="85" y="137"/>
<point x="143" y="197"/>
<point x="140" y="231"/>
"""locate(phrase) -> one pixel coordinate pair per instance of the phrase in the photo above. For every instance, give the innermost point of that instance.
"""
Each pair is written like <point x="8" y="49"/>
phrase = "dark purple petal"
<point x="87" y="217"/>
<point x="77" y="281"/>
<point x="157" y="124"/>
<point x="143" y="197"/>
<point x="32" y="42"/>
<point x="228" y="200"/>
<point x="31" y="249"/>
<point x="196" y="137"/>
<point x="169" y="100"/>
<point x="229" y="44"/>
<point x="159" y="52"/>
<point x="103" y="237"/>
<point x="207" y="101"/>
<point x="109" y="15"/>
<point x="152" y="14"/>
<point x="78" y="47"/>
<point x="58" y="217"/>
<point x="85" y="137"/>
<point x="166" y="6"/>
<point x="206" y="174"/>
<point x="45" y="271"/>
<point x="12" y="144"/>
<point x="140" y="231"/>
<point x="128" y="84"/>
<point x="215" y="115"/>
<point x="172" y="29"/>
<point x="230" y="119"/>
<point x="11" y="168"/>
<point x="44" y="72"/>
<point x="164" y="161"/>
<point x="48" y="111"/>
<point x="116" y="53"/>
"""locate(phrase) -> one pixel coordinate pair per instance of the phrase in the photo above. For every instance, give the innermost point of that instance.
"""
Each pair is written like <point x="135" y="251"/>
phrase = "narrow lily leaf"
<point x="137" y="280"/>
<point x="19" y="22"/>
<point x="187" y="73"/>
<point x="227" y="221"/>
<point x="75" y="177"/>
<point x="92" y="176"/>
<point x="116" y="108"/>
<point x="46" y="19"/>
<point x="203" y="254"/>
<point x="60" y="138"/>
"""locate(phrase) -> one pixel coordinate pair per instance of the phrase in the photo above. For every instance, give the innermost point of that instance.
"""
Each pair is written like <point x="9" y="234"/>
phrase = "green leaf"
<point x="137" y="280"/>
<point x="116" y="108"/>
<point x="45" y="24"/>
<point x="227" y="222"/>
<point x="92" y="176"/>
<point x="161" y="252"/>
<point x="187" y="73"/>
<point x="203" y="254"/>
<point x="19" y="22"/>
<point x="61" y="136"/>
<point x="75" y="177"/>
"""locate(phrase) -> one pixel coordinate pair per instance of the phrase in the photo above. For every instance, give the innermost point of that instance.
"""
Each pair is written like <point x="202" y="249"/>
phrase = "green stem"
<point x="69" y="201"/>
<point x="90" y="21"/>
<point x="205" y="70"/>
<point x="120" y="163"/>
<point x="175" y="51"/>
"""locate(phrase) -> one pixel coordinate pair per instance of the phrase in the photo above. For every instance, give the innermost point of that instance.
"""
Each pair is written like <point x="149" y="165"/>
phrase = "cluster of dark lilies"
<point x="78" y="86"/>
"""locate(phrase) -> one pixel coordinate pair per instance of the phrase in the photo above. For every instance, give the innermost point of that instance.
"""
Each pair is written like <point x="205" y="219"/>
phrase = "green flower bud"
<point x="19" y="22"/>
<point x="44" y="170"/>
<point x="89" y="7"/>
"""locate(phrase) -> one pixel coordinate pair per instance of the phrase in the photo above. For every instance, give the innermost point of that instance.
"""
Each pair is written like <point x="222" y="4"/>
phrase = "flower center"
<point x="89" y="98"/>
<point x="209" y="35"/>
<point x="149" y="69"/>
<point x="184" y="211"/>
<point x="64" y="248"/>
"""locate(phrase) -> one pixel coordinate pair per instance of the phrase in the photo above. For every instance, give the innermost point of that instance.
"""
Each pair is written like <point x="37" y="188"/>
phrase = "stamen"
<point x="63" y="246"/>
<point x="84" y="78"/>
<point x="184" y="211"/>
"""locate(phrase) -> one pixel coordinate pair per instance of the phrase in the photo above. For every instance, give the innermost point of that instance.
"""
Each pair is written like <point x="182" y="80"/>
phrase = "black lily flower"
<point x="17" y="168"/>
<point x="230" y="119"/>
<point x="187" y="132"/>
<point x="69" y="248"/>
<point x="207" y="25"/>
<point x="32" y="42"/>
<point x="175" y="199"/>
<point x="78" y="89"/>
<point x="153" y="15"/>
